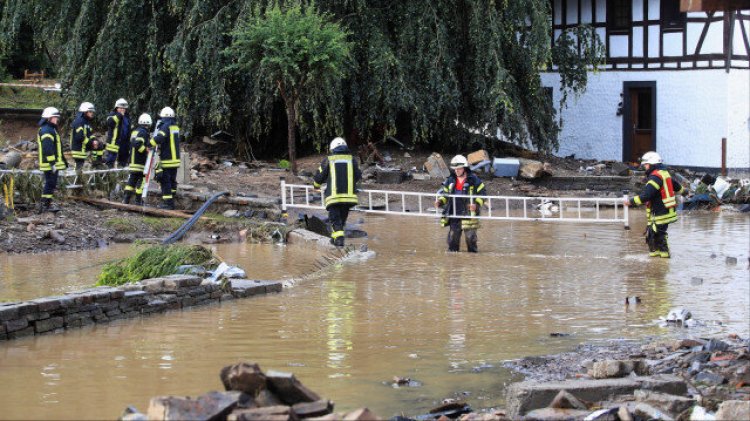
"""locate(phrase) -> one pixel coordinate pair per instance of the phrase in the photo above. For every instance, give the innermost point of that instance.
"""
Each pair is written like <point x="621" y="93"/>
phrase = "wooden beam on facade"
<point x="713" y="5"/>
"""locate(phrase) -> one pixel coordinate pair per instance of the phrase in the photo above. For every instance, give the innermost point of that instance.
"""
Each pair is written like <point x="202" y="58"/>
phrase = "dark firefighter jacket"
<point x="340" y="173"/>
<point x="138" y="152"/>
<point x="660" y="193"/>
<point x="115" y="127"/>
<point x="473" y="186"/>
<point x="167" y="138"/>
<point x="50" y="147"/>
<point x="80" y="136"/>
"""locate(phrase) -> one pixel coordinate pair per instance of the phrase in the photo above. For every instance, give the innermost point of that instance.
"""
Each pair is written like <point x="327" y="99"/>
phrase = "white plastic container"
<point x="506" y="167"/>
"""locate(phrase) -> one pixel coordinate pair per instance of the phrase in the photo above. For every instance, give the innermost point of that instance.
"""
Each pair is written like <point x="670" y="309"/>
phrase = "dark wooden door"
<point x="639" y="120"/>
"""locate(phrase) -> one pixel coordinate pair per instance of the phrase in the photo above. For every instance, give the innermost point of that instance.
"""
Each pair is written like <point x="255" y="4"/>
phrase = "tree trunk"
<point x="291" y="120"/>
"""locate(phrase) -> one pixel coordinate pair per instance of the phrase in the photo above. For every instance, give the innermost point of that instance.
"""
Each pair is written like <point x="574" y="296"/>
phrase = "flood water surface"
<point x="409" y="309"/>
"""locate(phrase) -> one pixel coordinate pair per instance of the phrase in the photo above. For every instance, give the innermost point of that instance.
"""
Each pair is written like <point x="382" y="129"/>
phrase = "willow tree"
<point x="295" y="50"/>
<point x="429" y="71"/>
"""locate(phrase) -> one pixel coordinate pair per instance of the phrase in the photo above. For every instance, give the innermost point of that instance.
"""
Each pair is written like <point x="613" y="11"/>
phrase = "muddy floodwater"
<point x="409" y="309"/>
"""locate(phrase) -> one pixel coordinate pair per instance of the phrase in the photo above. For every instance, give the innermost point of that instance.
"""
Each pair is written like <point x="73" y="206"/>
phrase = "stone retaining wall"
<point x="102" y="304"/>
<point x="614" y="184"/>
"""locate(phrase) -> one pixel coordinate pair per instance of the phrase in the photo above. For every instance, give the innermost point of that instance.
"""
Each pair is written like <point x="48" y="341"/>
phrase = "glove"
<point x="443" y="222"/>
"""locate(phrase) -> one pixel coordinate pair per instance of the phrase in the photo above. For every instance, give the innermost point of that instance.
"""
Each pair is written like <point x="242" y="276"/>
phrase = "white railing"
<point x="510" y="208"/>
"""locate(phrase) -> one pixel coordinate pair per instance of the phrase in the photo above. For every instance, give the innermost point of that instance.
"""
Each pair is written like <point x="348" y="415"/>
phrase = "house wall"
<point x="694" y="111"/>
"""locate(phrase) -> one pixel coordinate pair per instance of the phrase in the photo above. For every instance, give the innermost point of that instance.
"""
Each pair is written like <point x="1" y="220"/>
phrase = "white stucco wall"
<point x="694" y="110"/>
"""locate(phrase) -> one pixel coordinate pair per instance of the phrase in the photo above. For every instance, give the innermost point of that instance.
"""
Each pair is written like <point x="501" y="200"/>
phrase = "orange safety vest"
<point x="667" y="189"/>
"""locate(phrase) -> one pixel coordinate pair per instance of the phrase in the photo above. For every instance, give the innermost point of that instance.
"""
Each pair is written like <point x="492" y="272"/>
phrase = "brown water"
<point x="411" y="310"/>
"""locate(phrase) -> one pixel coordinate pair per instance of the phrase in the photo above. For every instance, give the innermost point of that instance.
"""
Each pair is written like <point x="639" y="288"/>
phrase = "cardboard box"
<point x="436" y="167"/>
<point x="478" y="156"/>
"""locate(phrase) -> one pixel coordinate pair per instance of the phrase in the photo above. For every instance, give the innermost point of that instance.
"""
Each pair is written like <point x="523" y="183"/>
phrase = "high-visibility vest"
<point x="667" y="189"/>
<point x="340" y="186"/>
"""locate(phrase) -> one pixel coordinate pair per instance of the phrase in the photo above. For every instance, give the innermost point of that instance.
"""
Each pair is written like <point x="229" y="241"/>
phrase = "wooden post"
<point x="724" y="156"/>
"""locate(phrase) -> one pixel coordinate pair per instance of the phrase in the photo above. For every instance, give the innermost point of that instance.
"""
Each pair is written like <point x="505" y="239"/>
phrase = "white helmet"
<point x="459" y="161"/>
<point x="86" y="106"/>
<point x="335" y="143"/>
<point x="166" y="112"/>
<point x="121" y="103"/>
<point x="652" y="158"/>
<point x="50" y="112"/>
<point x="144" y="120"/>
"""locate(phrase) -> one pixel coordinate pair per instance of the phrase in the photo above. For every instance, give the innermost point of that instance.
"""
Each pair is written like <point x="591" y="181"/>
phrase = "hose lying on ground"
<point x="189" y="223"/>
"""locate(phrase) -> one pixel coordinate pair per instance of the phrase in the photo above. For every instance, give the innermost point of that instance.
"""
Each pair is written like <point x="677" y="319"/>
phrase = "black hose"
<point x="189" y="223"/>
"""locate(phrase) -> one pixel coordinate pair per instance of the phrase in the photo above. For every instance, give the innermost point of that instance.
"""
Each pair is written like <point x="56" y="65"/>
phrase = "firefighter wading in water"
<point x="139" y="143"/>
<point x="340" y="173"/>
<point x="51" y="159"/>
<point x="659" y="195"/>
<point x="461" y="182"/>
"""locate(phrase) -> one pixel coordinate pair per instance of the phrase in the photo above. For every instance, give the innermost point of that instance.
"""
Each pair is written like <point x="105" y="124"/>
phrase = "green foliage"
<point x="123" y="225"/>
<point x="283" y="163"/>
<point x="294" y="53"/>
<point x="26" y="97"/>
<point x="163" y="224"/>
<point x="423" y="70"/>
<point x="153" y="262"/>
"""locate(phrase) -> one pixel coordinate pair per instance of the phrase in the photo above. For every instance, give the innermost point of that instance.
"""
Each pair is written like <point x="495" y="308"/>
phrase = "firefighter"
<point x="340" y="172"/>
<point x="51" y="159"/>
<point x="118" y="124"/>
<point x="660" y="196"/>
<point x="462" y="181"/>
<point x="139" y="144"/>
<point x="167" y="139"/>
<point x="81" y="137"/>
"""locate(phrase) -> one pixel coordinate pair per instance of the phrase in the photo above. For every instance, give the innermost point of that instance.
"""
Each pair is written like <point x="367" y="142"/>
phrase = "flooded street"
<point x="409" y="310"/>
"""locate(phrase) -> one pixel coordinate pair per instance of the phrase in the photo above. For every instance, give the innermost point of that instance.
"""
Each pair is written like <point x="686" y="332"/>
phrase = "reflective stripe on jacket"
<point x="114" y="124"/>
<point x="138" y="150"/>
<point x="49" y="148"/>
<point x="80" y="136"/>
<point x="340" y="173"/>
<point x="168" y="140"/>
<point x="473" y="186"/>
<point x="660" y="191"/>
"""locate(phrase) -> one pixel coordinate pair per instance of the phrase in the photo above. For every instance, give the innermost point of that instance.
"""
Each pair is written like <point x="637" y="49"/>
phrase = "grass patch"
<point x="153" y="262"/>
<point x="121" y="225"/>
<point x="163" y="224"/>
<point x="27" y="97"/>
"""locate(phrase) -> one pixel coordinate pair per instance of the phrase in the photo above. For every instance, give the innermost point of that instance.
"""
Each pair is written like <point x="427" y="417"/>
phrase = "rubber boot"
<point x="138" y="200"/>
<point x="167" y="204"/>
<point x="126" y="198"/>
<point x="338" y="241"/>
<point x="44" y="205"/>
<point x="664" y="248"/>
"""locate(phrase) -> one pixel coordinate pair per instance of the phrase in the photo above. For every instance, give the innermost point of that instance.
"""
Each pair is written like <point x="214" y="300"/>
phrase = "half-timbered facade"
<point x="676" y="80"/>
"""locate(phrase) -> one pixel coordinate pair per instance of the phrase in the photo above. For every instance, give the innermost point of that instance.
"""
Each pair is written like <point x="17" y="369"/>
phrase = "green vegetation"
<point x="27" y="97"/>
<point x="427" y="71"/>
<point x="123" y="225"/>
<point x="295" y="53"/>
<point x="153" y="262"/>
<point x="163" y="224"/>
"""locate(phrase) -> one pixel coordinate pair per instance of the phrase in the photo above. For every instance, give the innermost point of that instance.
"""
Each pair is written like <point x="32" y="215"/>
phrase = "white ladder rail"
<point x="570" y="209"/>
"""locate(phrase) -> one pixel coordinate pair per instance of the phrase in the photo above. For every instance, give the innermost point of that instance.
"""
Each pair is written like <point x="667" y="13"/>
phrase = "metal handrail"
<point x="511" y="208"/>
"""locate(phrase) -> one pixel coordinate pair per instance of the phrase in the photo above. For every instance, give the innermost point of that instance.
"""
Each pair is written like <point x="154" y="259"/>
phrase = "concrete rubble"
<point x="682" y="379"/>
<point x="249" y="394"/>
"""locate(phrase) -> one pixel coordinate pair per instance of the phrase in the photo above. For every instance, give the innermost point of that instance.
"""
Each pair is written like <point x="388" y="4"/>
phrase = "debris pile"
<point x="250" y="394"/>
<point x="677" y="379"/>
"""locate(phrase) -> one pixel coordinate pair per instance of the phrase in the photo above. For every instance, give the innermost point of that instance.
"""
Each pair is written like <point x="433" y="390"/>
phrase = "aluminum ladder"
<point x="503" y="208"/>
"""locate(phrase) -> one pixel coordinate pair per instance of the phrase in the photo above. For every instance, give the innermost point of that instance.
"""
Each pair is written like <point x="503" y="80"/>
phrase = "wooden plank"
<point x="134" y="208"/>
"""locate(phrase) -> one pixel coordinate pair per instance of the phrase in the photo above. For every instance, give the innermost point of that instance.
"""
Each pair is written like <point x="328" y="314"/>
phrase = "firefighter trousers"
<point x="454" y="237"/>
